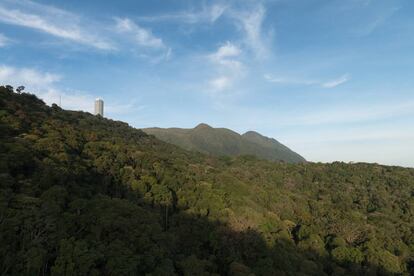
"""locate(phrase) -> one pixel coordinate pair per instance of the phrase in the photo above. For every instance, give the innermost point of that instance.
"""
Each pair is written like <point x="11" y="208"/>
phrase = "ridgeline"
<point x="225" y="142"/>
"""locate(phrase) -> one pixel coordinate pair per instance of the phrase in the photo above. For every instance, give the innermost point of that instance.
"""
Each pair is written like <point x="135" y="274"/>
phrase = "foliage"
<point x="84" y="195"/>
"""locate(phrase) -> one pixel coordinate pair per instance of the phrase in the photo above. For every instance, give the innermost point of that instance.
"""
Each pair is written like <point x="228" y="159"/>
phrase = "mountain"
<point x="222" y="141"/>
<point x="85" y="195"/>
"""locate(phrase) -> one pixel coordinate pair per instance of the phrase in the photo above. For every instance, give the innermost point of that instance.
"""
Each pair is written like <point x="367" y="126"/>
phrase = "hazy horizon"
<point x="332" y="80"/>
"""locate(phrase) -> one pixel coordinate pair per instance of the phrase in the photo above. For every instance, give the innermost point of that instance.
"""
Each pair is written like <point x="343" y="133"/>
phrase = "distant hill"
<point x="222" y="141"/>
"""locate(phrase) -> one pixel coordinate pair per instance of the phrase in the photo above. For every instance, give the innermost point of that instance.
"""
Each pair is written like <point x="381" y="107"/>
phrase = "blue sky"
<point x="332" y="79"/>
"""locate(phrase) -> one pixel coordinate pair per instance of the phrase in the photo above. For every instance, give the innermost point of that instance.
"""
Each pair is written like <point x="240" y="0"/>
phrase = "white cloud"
<point x="227" y="55"/>
<point x="334" y="83"/>
<point x="227" y="65"/>
<point x="28" y="77"/>
<point x="221" y="83"/>
<point x="4" y="40"/>
<point x="226" y="50"/>
<point x="303" y="81"/>
<point x="45" y="85"/>
<point x="50" y="20"/>
<point x="284" y="80"/>
<point x="140" y="35"/>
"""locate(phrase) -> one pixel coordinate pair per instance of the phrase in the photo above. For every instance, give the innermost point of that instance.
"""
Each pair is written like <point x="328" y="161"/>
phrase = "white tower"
<point x="99" y="107"/>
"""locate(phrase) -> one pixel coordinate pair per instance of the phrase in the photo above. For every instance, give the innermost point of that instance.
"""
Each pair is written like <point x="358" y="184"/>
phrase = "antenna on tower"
<point x="60" y="101"/>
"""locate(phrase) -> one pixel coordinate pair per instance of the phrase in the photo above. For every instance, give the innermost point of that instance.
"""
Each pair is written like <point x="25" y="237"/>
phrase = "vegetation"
<point x="84" y="195"/>
<point x="225" y="142"/>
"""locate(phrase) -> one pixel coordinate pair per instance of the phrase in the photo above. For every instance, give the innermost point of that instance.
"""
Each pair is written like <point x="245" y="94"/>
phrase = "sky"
<point x="331" y="79"/>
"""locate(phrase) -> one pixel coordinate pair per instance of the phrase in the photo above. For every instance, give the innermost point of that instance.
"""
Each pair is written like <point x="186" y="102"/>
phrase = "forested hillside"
<point x="225" y="142"/>
<point x="84" y="195"/>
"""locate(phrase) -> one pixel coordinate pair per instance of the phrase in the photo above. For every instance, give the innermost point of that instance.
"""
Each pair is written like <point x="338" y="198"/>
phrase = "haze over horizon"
<point x="332" y="80"/>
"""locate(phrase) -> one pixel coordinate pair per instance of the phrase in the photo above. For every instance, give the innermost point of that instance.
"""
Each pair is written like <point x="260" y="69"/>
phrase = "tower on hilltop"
<point x="99" y="107"/>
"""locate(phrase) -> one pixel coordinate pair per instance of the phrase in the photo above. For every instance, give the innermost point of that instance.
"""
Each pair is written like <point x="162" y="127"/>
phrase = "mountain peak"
<point x="202" y="126"/>
<point x="252" y="133"/>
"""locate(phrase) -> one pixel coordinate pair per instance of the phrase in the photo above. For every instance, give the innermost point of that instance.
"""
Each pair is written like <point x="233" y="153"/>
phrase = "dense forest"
<point x="85" y="195"/>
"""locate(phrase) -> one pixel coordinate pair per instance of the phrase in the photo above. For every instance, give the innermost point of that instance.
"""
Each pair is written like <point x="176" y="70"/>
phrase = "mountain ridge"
<point x="223" y="141"/>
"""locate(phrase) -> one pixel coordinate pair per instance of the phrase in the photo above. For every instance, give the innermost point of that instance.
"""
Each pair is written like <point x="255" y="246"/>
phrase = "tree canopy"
<point x="85" y="195"/>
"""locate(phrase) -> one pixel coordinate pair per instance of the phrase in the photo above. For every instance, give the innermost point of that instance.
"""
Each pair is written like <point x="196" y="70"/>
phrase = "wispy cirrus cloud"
<point x="250" y="21"/>
<point x="207" y="14"/>
<point x="141" y="36"/>
<point x="302" y="81"/>
<point x="4" y="40"/>
<point x="150" y="46"/>
<point x="334" y="83"/>
<point x="376" y="21"/>
<point x="51" y="20"/>
<point x="116" y="35"/>
<point x="226" y="61"/>
<point x="289" y="80"/>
